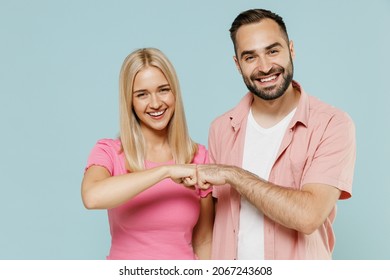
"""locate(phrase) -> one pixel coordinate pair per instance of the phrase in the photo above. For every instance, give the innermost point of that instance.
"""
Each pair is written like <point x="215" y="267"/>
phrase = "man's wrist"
<point x="231" y="174"/>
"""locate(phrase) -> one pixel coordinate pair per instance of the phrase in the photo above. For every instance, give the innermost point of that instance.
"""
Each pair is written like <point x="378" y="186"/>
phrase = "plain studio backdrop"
<point x="59" y="69"/>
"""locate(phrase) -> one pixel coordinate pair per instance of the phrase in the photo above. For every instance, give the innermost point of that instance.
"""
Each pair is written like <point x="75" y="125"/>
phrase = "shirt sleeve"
<point x="334" y="160"/>
<point x="102" y="154"/>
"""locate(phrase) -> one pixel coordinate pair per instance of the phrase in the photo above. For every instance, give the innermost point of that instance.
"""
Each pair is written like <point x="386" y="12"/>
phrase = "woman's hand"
<point x="183" y="174"/>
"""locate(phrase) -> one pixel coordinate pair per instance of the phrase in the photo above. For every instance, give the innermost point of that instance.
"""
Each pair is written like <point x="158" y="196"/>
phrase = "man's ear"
<point x="292" y="50"/>
<point x="237" y="64"/>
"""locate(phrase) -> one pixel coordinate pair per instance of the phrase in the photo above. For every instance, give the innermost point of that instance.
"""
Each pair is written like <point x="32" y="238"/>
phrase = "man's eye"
<point x="249" y="58"/>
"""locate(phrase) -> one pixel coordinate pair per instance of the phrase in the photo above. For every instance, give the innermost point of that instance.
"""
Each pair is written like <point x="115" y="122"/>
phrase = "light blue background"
<point x="59" y="67"/>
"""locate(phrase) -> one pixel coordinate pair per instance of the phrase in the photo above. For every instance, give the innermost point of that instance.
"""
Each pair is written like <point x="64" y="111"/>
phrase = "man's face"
<point x="264" y="59"/>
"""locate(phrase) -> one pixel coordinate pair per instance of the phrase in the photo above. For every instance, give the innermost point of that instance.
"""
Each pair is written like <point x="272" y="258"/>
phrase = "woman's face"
<point x="153" y="100"/>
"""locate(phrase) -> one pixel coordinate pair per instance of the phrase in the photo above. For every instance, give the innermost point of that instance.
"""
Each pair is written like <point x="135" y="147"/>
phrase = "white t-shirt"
<point x="260" y="150"/>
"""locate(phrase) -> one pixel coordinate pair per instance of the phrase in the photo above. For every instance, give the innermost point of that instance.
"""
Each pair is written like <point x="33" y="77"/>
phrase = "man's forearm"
<point x="295" y="209"/>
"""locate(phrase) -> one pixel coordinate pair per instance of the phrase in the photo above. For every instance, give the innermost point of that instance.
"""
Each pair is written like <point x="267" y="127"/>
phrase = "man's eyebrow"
<point x="267" y="48"/>
<point x="277" y="44"/>
<point x="248" y="52"/>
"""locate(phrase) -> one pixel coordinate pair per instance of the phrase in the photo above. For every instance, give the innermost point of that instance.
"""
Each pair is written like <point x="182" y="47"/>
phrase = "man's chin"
<point x="267" y="95"/>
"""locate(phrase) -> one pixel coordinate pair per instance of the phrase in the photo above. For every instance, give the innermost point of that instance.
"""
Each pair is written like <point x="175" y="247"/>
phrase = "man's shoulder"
<point x="223" y="119"/>
<point x="319" y="108"/>
<point x="236" y="114"/>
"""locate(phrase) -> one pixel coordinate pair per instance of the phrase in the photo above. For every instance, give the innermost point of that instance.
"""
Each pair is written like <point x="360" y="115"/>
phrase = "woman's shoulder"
<point x="201" y="148"/>
<point x="201" y="155"/>
<point x="110" y="143"/>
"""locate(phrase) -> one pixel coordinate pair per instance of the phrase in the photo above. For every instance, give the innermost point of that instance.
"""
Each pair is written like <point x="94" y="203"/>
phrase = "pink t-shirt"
<point x="157" y="223"/>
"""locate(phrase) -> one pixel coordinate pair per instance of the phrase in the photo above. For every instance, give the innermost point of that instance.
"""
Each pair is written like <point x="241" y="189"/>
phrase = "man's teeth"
<point x="156" y="114"/>
<point x="268" y="79"/>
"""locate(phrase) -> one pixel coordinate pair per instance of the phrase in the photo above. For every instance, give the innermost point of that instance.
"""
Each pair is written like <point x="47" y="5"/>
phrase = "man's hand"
<point x="211" y="174"/>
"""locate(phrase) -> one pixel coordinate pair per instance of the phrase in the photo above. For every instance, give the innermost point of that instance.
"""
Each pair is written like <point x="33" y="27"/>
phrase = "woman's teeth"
<point x="156" y="114"/>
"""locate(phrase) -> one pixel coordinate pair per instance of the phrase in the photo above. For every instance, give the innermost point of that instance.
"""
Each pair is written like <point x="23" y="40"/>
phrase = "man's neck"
<point x="267" y="113"/>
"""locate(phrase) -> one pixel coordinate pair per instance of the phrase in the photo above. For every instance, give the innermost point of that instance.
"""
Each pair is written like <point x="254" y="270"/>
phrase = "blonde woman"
<point x="146" y="178"/>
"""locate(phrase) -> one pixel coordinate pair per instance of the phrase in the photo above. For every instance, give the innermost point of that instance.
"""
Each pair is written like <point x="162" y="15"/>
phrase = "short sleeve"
<point x="334" y="161"/>
<point x="201" y="157"/>
<point x="103" y="154"/>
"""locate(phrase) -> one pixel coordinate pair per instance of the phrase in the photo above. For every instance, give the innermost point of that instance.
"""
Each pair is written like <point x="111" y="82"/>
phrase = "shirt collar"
<point x="240" y="112"/>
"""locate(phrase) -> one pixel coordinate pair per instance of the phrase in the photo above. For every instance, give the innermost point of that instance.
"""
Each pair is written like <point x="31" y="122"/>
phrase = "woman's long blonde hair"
<point x="133" y="143"/>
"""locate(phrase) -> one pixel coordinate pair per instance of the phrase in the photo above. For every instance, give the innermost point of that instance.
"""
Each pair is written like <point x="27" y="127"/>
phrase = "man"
<point x="282" y="158"/>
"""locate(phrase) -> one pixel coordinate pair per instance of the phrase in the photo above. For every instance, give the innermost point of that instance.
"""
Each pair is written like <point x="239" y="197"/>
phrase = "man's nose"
<point x="263" y="65"/>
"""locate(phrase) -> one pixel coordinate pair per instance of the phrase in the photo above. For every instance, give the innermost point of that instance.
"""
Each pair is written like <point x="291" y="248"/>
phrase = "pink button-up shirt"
<point x="318" y="147"/>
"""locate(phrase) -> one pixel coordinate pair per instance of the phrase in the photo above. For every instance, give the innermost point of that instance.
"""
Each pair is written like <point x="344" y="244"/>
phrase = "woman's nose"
<point x="155" y="101"/>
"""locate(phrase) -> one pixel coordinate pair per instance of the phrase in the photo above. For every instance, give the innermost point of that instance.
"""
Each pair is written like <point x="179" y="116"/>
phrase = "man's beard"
<point x="272" y="92"/>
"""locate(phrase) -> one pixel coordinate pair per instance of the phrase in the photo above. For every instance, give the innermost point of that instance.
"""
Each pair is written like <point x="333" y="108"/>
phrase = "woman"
<point x="139" y="177"/>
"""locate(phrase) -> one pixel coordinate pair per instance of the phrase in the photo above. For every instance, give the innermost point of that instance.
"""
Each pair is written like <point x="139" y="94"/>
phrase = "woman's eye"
<point x="165" y="90"/>
<point x="140" y="95"/>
